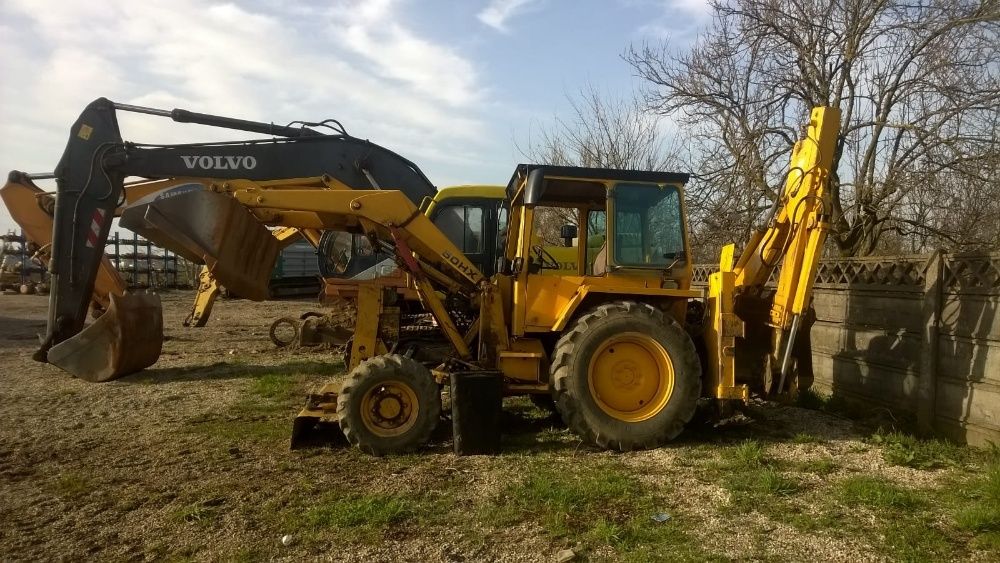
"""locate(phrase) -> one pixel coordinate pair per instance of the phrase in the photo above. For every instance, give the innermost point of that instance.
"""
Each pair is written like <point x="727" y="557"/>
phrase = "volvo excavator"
<point x="623" y="345"/>
<point x="91" y="191"/>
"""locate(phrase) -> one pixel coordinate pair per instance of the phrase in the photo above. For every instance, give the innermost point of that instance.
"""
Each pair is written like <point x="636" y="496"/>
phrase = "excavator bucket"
<point x="211" y="229"/>
<point x="125" y="339"/>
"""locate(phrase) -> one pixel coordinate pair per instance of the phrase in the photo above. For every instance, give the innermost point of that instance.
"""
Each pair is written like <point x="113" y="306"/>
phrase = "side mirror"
<point x="568" y="233"/>
<point x="675" y="258"/>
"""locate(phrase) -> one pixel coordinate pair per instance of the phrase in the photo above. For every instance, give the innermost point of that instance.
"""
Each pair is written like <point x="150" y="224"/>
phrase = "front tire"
<point x="626" y="376"/>
<point x="389" y="405"/>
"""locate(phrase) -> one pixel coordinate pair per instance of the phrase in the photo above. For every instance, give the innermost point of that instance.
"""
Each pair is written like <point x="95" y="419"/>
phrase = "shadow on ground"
<point x="231" y="370"/>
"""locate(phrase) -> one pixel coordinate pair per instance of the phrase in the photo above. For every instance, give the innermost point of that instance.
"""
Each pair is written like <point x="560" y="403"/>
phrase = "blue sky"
<point x="456" y="86"/>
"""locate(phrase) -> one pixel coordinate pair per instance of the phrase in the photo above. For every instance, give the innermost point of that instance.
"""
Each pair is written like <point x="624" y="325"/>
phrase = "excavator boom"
<point x="238" y="251"/>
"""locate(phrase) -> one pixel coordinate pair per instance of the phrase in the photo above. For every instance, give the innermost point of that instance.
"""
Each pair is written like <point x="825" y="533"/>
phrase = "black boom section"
<point x="88" y="189"/>
<point x="96" y="161"/>
<point x="356" y="162"/>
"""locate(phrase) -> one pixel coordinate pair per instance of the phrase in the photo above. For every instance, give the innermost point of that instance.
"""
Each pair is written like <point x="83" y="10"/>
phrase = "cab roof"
<point x="577" y="182"/>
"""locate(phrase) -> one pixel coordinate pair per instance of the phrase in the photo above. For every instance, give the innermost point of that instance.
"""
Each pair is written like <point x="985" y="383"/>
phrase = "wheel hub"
<point x="390" y="409"/>
<point x="631" y="377"/>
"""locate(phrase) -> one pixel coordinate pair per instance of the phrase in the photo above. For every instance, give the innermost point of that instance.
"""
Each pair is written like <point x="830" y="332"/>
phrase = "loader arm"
<point x="393" y="222"/>
<point x="793" y="239"/>
<point x="32" y="208"/>
<point x="90" y="189"/>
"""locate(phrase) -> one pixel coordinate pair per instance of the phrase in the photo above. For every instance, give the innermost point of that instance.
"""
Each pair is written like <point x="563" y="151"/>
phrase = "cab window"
<point x="647" y="225"/>
<point x="463" y="225"/>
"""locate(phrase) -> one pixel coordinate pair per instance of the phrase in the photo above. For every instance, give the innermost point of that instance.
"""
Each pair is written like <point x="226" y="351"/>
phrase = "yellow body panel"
<point x="524" y="361"/>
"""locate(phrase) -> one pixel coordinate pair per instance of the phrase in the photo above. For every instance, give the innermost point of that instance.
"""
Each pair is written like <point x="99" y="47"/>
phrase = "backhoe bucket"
<point x="125" y="339"/>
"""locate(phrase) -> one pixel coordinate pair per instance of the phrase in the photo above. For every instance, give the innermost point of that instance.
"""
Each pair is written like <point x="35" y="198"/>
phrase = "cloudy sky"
<point x="454" y="85"/>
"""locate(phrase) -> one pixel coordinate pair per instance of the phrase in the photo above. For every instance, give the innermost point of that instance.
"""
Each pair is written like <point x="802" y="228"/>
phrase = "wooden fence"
<point x="914" y="334"/>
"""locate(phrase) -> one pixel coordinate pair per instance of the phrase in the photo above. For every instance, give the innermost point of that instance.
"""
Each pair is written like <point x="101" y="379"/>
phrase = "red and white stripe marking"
<point x="95" y="227"/>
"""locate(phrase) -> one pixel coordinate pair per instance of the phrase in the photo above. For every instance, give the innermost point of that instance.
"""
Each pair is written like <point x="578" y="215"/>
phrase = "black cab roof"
<point x="570" y="190"/>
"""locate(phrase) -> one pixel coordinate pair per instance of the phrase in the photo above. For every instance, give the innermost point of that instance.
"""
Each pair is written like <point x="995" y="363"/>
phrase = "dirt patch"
<point x="189" y="460"/>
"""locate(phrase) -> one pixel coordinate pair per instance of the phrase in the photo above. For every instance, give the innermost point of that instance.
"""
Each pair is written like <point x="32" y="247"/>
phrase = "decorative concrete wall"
<point x="914" y="334"/>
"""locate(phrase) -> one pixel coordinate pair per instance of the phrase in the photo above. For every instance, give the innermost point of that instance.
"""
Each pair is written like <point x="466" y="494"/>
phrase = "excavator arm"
<point x="792" y="240"/>
<point x="90" y="188"/>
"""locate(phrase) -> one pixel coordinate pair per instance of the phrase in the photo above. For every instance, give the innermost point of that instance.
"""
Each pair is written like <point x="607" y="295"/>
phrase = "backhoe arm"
<point x="793" y="240"/>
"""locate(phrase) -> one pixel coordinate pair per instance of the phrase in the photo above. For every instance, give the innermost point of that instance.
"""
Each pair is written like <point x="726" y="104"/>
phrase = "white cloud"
<point x="699" y="8"/>
<point x="498" y="12"/>
<point x="357" y="62"/>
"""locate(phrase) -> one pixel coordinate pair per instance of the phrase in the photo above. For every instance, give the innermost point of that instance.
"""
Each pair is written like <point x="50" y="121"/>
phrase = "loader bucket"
<point x="211" y="229"/>
<point x="125" y="339"/>
<point x="316" y="424"/>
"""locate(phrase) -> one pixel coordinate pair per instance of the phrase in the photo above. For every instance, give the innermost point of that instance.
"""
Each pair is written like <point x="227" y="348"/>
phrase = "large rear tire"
<point x="390" y="404"/>
<point x="626" y="376"/>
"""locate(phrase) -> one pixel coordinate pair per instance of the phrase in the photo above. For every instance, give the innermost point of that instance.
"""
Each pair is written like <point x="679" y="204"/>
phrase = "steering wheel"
<point x="545" y="260"/>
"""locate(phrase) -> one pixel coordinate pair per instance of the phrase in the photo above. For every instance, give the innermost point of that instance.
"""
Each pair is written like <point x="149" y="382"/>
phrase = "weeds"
<point x="599" y="505"/>
<point x="979" y="508"/>
<point x="906" y="450"/>
<point x="875" y="492"/>
<point x="202" y="512"/>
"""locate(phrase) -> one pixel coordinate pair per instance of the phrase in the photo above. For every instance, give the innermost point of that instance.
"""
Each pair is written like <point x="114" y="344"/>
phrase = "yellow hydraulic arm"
<point x="793" y="239"/>
<point x="32" y="208"/>
<point x="388" y="217"/>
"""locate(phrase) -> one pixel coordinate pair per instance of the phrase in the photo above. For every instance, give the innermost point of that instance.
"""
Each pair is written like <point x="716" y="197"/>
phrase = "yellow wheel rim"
<point x="631" y="377"/>
<point x="390" y="408"/>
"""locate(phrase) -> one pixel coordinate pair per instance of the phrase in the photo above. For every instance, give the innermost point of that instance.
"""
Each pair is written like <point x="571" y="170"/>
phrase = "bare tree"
<point x="918" y="85"/>
<point x="600" y="132"/>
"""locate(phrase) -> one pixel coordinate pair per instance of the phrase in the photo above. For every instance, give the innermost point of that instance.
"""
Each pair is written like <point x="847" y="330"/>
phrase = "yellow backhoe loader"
<point x="614" y="342"/>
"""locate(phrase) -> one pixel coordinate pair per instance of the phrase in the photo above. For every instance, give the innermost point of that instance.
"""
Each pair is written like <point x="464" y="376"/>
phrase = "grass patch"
<point x="275" y="386"/>
<point x="751" y="477"/>
<point x="875" y="492"/>
<point x="367" y="517"/>
<point x="597" y="505"/>
<point x="750" y="488"/>
<point x="203" y="512"/>
<point x="906" y="450"/>
<point x="234" y="430"/>
<point x="803" y="438"/>
<point x="916" y="539"/>
<point x="71" y="485"/>
<point x="364" y="511"/>
<point x="747" y="455"/>
<point x="978" y="510"/>
<point x="822" y="466"/>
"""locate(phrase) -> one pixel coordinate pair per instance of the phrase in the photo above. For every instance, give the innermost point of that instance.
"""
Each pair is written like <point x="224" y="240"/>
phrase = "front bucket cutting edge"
<point x="127" y="338"/>
<point x="316" y="424"/>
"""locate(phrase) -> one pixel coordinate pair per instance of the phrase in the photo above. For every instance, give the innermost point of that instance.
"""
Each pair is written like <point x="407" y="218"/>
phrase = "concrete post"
<point x="927" y="384"/>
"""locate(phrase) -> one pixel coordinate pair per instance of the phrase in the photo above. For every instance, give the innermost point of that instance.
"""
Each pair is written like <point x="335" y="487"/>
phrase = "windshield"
<point x="648" y="230"/>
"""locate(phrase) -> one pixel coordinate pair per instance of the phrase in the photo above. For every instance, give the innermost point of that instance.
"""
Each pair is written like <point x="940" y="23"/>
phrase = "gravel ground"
<point x="189" y="460"/>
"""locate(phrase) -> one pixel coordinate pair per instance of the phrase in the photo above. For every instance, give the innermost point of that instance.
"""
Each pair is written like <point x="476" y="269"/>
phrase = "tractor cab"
<point x="616" y="230"/>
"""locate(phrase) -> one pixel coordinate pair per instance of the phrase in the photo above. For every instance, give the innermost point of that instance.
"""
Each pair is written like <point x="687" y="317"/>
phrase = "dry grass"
<point x="189" y="461"/>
